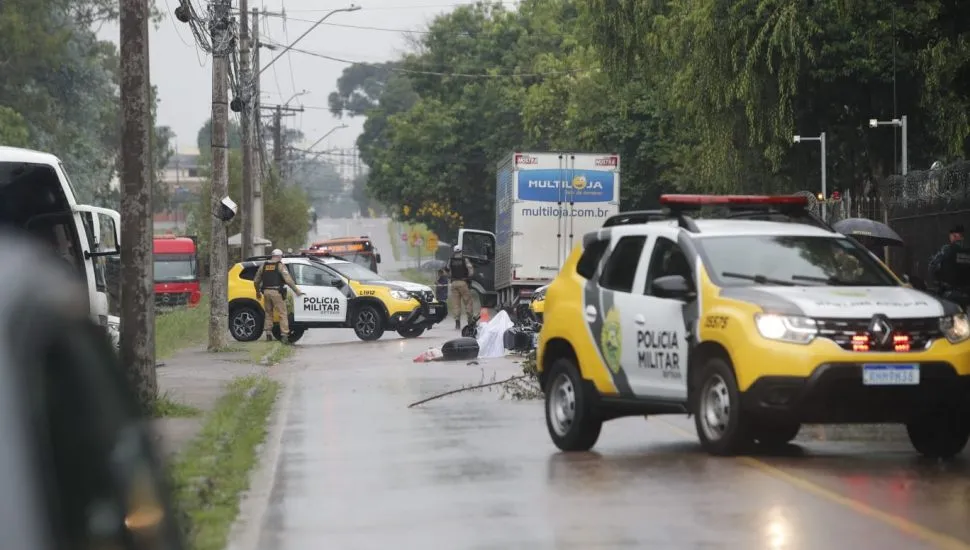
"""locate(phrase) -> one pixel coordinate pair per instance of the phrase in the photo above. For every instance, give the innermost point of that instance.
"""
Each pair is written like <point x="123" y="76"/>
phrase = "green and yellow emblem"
<point x="611" y="340"/>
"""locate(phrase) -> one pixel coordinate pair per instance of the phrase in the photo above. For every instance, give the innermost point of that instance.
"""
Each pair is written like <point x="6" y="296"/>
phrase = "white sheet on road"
<point x="491" y="336"/>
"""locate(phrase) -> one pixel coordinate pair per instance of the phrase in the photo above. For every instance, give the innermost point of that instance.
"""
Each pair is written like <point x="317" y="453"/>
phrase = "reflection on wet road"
<point x="358" y="469"/>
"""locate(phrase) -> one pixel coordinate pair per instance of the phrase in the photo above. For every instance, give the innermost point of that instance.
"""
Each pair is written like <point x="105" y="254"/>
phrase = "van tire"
<point x="245" y="323"/>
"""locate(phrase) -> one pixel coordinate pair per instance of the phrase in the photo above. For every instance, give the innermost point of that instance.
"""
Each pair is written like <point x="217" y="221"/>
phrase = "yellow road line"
<point x="934" y="538"/>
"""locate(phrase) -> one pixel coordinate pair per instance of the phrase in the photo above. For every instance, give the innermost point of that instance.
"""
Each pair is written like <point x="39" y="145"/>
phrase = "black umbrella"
<point x="877" y="232"/>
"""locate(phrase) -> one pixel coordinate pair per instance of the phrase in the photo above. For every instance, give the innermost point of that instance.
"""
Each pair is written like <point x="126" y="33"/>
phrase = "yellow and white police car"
<point x="336" y="294"/>
<point x="754" y="324"/>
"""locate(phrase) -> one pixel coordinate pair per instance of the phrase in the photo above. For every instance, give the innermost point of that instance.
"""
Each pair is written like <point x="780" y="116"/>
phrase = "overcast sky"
<point x="183" y="73"/>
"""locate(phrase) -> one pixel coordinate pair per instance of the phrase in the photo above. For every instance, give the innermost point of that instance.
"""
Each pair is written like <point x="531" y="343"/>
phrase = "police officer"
<point x="270" y="281"/>
<point x="951" y="268"/>
<point x="460" y="270"/>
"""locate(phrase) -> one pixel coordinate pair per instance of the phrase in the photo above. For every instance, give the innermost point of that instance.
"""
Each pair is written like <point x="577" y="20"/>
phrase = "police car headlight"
<point x="400" y="295"/>
<point x="956" y="328"/>
<point x="786" y="328"/>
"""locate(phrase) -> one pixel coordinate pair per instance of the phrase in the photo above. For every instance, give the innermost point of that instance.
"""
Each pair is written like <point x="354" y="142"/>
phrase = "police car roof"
<point x="728" y="228"/>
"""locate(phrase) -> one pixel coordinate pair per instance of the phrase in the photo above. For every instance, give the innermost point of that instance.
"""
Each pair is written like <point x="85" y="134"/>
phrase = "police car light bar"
<point x="732" y="200"/>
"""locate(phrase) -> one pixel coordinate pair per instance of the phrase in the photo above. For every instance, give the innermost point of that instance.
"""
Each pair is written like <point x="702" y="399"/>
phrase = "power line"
<point x="347" y="26"/>
<point x="421" y="7"/>
<point x="436" y="73"/>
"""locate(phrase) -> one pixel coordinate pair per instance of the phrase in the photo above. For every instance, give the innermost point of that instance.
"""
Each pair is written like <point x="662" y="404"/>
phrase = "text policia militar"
<point x="657" y="349"/>
<point x="323" y="305"/>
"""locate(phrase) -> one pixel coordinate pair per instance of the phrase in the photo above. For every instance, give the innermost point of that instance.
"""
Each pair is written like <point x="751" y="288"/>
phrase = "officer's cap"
<point x="957" y="229"/>
<point x="276" y="252"/>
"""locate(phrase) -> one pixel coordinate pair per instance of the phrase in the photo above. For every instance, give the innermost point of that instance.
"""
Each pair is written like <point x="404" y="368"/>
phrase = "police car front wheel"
<point x="720" y="422"/>
<point x="572" y="424"/>
<point x="368" y="323"/>
<point x="410" y="332"/>
<point x="940" y="434"/>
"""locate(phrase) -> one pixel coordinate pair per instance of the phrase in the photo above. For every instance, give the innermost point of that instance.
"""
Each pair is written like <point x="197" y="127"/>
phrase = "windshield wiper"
<point x="832" y="281"/>
<point x="760" y="279"/>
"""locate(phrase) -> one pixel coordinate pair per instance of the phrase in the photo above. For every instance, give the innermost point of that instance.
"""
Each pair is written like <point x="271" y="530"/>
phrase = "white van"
<point x="36" y="195"/>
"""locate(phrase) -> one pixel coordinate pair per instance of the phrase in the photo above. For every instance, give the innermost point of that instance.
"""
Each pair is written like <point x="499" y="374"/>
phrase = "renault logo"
<point x="880" y="330"/>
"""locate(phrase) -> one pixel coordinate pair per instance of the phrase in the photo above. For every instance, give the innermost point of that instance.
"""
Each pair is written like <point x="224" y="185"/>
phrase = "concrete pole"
<point x="246" y="128"/>
<point x="258" y="230"/>
<point x="905" y="147"/>
<point x="137" y="174"/>
<point x="825" y="194"/>
<point x="218" y="241"/>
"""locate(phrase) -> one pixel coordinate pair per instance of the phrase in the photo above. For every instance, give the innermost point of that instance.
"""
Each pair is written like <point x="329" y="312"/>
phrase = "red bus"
<point x="176" y="272"/>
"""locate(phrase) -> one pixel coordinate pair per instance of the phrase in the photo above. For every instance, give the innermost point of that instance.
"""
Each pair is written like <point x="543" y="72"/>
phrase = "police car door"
<point x="323" y="300"/>
<point x="661" y="340"/>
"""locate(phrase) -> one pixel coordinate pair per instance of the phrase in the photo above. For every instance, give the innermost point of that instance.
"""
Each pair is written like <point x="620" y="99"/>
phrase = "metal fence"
<point x="921" y="207"/>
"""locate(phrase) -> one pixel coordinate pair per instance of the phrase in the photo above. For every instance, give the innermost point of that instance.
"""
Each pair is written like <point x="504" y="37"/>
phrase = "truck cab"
<point x="176" y="271"/>
<point x="37" y="197"/>
<point x="359" y="250"/>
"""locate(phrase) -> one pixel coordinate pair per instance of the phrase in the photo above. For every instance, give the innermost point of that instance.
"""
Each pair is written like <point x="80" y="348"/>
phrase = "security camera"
<point x="873" y="123"/>
<point x="797" y="139"/>
<point x="236" y="105"/>
<point x="227" y="209"/>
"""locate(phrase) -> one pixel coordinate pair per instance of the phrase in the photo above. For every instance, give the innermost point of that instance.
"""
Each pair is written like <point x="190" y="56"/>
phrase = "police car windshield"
<point x="795" y="260"/>
<point x="355" y="272"/>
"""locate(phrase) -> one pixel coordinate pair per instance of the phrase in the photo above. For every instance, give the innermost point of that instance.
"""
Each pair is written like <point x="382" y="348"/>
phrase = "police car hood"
<point x="400" y="285"/>
<point x="841" y="302"/>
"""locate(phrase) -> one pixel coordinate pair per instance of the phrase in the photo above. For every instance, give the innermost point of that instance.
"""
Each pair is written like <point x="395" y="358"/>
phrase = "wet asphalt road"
<point x="350" y="466"/>
<point x="357" y="469"/>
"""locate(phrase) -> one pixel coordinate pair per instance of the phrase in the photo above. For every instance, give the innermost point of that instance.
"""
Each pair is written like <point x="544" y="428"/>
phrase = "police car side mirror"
<point x="674" y="287"/>
<point x="336" y="282"/>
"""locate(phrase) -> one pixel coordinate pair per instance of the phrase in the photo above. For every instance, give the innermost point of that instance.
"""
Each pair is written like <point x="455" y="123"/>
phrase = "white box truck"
<point x="544" y="204"/>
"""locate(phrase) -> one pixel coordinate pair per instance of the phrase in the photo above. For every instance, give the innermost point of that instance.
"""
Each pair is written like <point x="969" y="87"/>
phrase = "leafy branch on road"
<point x="526" y="386"/>
<point x="464" y="389"/>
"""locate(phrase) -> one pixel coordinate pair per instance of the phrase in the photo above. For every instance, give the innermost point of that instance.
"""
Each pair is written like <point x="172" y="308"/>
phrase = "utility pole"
<point x="246" y="128"/>
<point x="257" y="200"/>
<point x="137" y="173"/>
<point x="279" y="111"/>
<point x="218" y="242"/>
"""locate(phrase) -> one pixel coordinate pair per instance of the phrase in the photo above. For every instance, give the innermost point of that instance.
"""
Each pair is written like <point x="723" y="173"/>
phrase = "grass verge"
<point x="167" y="407"/>
<point x="210" y="475"/>
<point x="418" y="276"/>
<point x="271" y="352"/>
<point x="181" y="328"/>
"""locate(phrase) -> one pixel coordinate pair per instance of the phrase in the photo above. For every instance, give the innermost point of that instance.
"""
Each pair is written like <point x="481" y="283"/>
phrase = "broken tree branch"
<point x="459" y="390"/>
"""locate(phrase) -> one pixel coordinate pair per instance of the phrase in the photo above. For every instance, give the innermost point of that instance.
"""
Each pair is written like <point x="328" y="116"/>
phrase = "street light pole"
<point x="900" y="122"/>
<point x="308" y="31"/>
<point x="821" y="139"/>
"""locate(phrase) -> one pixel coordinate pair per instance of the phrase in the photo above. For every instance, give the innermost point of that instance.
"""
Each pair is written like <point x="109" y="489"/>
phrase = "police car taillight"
<point x="733" y="200"/>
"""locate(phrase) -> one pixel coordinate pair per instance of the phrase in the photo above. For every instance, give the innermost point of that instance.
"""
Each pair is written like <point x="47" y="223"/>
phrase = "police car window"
<point x="307" y="274"/>
<point x="248" y="273"/>
<point x="667" y="259"/>
<point x="791" y="260"/>
<point x="590" y="260"/>
<point x="621" y="269"/>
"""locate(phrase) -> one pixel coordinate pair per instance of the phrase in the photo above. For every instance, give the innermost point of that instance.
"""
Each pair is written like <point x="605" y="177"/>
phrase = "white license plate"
<point x="890" y="375"/>
<point x="432" y="310"/>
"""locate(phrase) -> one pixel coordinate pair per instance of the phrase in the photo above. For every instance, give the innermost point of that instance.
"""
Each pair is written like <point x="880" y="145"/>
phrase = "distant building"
<point x="183" y="177"/>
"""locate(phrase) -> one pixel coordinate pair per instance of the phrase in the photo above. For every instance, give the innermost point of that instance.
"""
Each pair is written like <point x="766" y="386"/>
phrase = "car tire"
<point x="776" y="434"/>
<point x="245" y="323"/>
<point x="721" y="424"/>
<point x="939" y="435"/>
<point x="368" y="323"/>
<point x="410" y="332"/>
<point x="572" y="423"/>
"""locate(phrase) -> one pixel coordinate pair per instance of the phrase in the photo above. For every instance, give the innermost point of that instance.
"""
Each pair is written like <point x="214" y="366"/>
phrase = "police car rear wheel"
<point x="410" y="332"/>
<point x="940" y="435"/>
<point x="572" y="424"/>
<point x="245" y="323"/>
<point x="368" y="323"/>
<point x="718" y="417"/>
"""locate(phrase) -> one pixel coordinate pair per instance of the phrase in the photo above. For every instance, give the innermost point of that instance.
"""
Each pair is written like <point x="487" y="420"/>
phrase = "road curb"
<point x="246" y="530"/>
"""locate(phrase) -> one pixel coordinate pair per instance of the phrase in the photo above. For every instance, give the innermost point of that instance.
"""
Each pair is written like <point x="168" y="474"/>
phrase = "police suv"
<point x="336" y="294"/>
<point x="753" y="323"/>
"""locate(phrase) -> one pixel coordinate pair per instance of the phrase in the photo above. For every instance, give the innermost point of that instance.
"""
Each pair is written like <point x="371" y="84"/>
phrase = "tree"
<point x="204" y="137"/>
